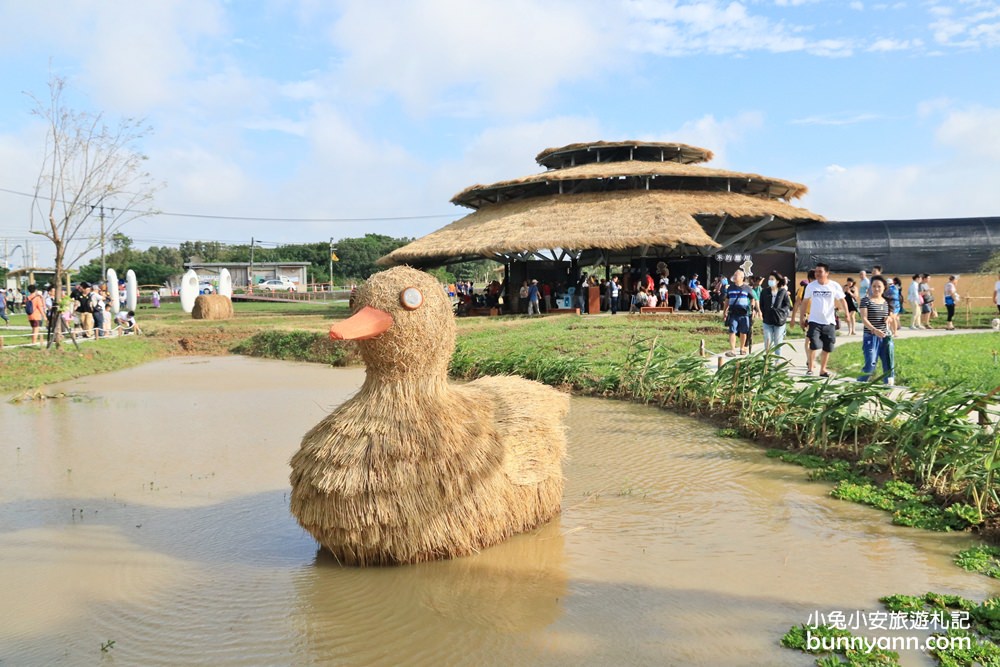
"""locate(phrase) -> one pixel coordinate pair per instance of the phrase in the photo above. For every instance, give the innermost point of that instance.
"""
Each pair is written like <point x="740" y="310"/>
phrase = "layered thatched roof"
<point x="606" y="151"/>
<point x="606" y="220"/>
<point x="630" y="175"/>
<point x="616" y="196"/>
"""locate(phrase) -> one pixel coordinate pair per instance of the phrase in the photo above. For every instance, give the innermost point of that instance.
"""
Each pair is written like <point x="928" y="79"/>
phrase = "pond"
<point x="155" y="514"/>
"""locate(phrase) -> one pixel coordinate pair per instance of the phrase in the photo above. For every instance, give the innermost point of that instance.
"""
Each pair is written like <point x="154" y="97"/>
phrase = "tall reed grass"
<point x="945" y="443"/>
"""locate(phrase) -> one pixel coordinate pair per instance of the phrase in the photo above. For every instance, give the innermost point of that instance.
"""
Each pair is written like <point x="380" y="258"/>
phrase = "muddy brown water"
<point x="155" y="514"/>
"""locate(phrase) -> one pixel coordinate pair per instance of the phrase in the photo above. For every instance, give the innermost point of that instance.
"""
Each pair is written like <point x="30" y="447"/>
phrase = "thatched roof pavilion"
<point x="609" y="202"/>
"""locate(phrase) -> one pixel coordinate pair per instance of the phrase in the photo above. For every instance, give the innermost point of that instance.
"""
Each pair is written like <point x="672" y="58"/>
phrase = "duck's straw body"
<point x="413" y="468"/>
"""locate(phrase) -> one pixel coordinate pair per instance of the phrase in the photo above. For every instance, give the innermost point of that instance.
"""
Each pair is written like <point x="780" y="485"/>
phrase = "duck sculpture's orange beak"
<point x="366" y="323"/>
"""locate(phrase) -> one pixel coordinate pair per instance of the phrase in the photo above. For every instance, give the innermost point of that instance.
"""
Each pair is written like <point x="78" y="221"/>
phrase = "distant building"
<point x="240" y="272"/>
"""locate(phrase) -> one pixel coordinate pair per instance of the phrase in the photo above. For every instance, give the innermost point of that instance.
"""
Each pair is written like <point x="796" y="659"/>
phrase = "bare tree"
<point x="92" y="180"/>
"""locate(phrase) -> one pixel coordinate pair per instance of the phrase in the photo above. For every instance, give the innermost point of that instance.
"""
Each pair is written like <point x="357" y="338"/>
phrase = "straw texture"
<point x="612" y="220"/>
<point x="674" y="151"/>
<point x="413" y="468"/>
<point x="663" y="173"/>
<point x="212" y="307"/>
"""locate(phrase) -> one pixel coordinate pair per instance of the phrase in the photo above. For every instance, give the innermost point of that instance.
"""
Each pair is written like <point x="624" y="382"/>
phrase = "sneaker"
<point x="891" y="382"/>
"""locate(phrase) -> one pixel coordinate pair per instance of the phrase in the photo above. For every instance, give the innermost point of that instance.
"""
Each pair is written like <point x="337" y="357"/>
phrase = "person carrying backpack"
<point x="34" y="307"/>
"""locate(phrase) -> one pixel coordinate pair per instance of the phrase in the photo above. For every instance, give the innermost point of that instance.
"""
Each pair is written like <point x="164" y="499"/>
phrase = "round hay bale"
<point x="212" y="307"/>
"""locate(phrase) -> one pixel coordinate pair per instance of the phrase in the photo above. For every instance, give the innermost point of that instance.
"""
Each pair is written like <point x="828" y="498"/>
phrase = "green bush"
<point x="296" y="346"/>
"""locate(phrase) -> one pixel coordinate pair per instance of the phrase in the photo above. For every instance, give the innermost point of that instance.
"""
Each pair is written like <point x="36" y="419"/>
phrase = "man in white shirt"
<point x="820" y="302"/>
<point x="913" y="297"/>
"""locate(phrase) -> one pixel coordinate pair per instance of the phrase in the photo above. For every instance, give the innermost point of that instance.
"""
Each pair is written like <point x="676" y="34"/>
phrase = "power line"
<point x="244" y="218"/>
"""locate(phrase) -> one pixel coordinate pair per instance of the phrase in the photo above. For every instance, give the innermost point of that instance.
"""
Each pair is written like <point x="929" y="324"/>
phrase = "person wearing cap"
<point x="533" y="295"/>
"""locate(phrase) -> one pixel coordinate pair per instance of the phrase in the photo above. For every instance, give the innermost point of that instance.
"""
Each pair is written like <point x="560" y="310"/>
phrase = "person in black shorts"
<point x="820" y="302"/>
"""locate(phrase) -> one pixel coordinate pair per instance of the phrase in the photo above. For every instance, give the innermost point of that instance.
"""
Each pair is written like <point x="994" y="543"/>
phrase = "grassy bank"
<point x="167" y="331"/>
<point x="971" y="361"/>
<point x="28" y="368"/>
<point x="581" y="352"/>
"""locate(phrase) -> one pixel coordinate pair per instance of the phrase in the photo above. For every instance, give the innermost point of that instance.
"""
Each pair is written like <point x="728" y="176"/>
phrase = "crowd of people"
<point x="874" y="303"/>
<point x="87" y="311"/>
<point x="871" y="304"/>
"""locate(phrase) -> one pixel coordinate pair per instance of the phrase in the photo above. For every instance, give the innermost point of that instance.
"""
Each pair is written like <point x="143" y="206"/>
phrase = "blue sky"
<point x="352" y="109"/>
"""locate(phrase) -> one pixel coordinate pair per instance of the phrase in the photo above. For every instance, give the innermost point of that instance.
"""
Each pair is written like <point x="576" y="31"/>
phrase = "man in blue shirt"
<point x="736" y="308"/>
<point x="533" y="299"/>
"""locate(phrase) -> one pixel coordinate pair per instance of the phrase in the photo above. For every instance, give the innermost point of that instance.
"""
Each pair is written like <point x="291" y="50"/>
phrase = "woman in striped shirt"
<point x="879" y="330"/>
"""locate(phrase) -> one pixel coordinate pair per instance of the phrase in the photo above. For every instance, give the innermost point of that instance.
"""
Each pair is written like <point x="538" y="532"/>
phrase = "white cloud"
<point x="673" y="28"/>
<point x="933" y="106"/>
<point x="508" y="151"/>
<point x="959" y="185"/>
<point x="888" y="44"/>
<point x="929" y="190"/>
<point x="971" y="24"/>
<point x="972" y="132"/>
<point x="133" y="56"/>
<point x="857" y="6"/>
<point x="715" y="134"/>
<point x="504" y="55"/>
<point x="20" y="161"/>
<point x="836" y="119"/>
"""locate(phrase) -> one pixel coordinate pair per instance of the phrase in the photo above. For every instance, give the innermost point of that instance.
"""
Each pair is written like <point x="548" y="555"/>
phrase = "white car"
<point x="276" y="285"/>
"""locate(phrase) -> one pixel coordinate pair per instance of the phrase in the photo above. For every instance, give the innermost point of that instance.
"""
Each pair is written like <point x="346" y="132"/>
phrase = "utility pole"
<point x="331" y="263"/>
<point x="250" y="271"/>
<point x="104" y="268"/>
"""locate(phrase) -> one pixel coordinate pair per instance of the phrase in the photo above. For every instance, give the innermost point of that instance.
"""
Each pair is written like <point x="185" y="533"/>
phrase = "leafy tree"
<point x="443" y="275"/>
<point x="153" y="266"/>
<point x="204" y="251"/>
<point x="358" y="255"/>
<point x="477" y="270"/>
<point x="992" y="265"/>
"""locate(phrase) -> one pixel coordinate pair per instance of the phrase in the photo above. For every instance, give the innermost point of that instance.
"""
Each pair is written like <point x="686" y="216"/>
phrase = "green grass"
<point x="573" y="350"/>
<point x="28" y="368"/>
<point x="982" y="559"/>
<point x="969" y="360"/>
<point x="297" y="346"/>
<point x="983" y="633"/>
<point x="166" y="331"/>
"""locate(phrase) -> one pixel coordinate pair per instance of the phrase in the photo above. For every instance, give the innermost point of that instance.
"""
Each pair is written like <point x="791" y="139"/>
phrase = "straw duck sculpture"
<point x="414" y="468"/>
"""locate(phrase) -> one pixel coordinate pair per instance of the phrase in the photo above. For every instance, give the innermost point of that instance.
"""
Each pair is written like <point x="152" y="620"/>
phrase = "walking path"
<point x="794" y="349"/>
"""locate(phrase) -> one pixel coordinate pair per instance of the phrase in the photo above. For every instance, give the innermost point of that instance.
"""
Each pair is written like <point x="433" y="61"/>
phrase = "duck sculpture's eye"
<point x="411" y="298"/>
